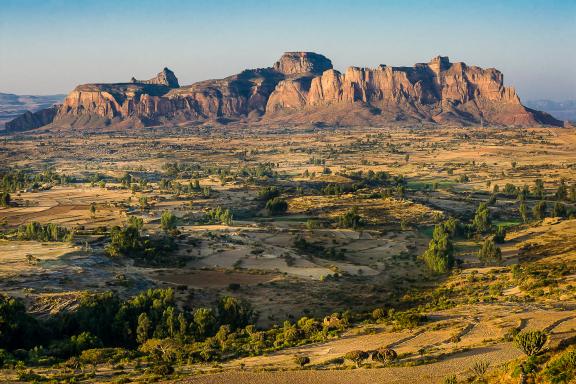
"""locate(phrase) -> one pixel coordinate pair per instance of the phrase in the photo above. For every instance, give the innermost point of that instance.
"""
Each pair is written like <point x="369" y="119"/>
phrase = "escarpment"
<point x="303" y="87"/>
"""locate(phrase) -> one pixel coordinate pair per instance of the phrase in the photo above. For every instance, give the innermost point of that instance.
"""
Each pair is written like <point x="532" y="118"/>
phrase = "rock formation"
<point x="166" y="77"/>
<point x="302" y="87"/>
<point x="30" y="120"/>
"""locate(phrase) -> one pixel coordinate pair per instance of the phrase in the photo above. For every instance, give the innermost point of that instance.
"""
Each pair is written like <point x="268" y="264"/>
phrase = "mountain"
<point x="563" y="110"/>
<point x="303" y="88"/>
<point x="12" y="105"/>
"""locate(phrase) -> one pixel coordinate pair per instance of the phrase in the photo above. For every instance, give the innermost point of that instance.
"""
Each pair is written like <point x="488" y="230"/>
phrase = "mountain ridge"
<point x="304" y="88"/>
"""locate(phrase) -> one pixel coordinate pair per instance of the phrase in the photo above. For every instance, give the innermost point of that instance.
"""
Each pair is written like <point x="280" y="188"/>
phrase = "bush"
<point x="531" y="342"/>
<point x="301" y="360"/>
<point x="350" y="219"/>
<point x="384" y="355"/>
<point x="356" y="357"/>
<point x="277" y="206"/>
<point x="562" y="369"/>
<point x="489" y="252"/>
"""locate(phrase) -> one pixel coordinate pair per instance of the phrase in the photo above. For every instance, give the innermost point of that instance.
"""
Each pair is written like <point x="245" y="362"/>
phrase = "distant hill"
<point x="563" y="110"/>
<point x="12" y="106"/>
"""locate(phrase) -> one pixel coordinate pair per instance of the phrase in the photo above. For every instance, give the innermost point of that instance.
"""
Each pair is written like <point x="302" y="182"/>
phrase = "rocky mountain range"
<point x="301" y="88"/>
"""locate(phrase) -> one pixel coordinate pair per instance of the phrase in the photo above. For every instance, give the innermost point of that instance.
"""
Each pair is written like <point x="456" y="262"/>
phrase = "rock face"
<point x="30" y="120"/>
<point x="166" y="77"/>
<point x="293" y="63"/>
<point x="302" y="87"/>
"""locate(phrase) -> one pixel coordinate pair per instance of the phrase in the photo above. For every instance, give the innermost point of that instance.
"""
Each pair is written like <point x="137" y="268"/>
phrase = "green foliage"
<point x="384" y="355"/>
<point x="350" y="219"/>
<point x="220" y="215"/>
<point x="531" y="342"/>
<point x="439" y="257"/>
<point x="489" y="252"/>
<point x="277" y="206"/>
<point x="168" y="221"/>
<point x="301" y="361"/>
<point x="17" y="328"/>
<point x="450" y="379"/>
<point x="136" y="222"/>
<point x="562" y="369"/>
<point x="559" y="210"/>
<point x="357" y="357"/>
<point x="15" y="180"/>
<point x="481" y="221"/>
<point x="539" y="210"/>
<point x="523" y="212"/>
<point x="268" y="193"/>
<point x="236" y="313"/>
<point x="538" y="190"/>
<point x="500" y="235"/>
<point x="4" y="199"/>
<point x="43" y="232"/>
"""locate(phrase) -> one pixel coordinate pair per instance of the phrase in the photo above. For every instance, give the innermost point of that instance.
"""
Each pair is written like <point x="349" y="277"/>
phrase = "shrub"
<point x="356" y="357"/>
<point x="531" y="342"/>
<point x="489" y="252"/>
<point x="384" y="355"/>
<point x="301" y="360"/>
<point x="277" y="206"/>
<point x="562" y="369"/>
<point x="350" y="219"/>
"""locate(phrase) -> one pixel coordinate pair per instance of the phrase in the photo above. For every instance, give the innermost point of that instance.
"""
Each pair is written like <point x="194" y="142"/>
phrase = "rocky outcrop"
<point x="294" y="63"/>
<point x="166" y="77"/>
<point x="436" y="91"/>
<point x="302" y="87"/>
<point x="30" y="120"/>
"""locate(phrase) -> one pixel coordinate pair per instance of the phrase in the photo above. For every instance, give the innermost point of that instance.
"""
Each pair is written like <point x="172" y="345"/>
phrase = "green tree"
<point x="350" y="219"/>
<point x="439" y="257"/>
<point x="481" y="221"/>
<point x="235" y="312"/>
<point x="4" y="199"/>
<point x="562" y="191"/>
<point x="143" y="328"/>
<point x="489" y="252"/>
<point x="559" y="210"/>
<point x="539" y="190"/>
<point x="168" y="221"/>
<point x="539" y="210"/>
<point x="523" y="212"/>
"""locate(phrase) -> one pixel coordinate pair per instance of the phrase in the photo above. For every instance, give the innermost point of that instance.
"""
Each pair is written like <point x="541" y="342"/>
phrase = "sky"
<point x="50" y="46"/>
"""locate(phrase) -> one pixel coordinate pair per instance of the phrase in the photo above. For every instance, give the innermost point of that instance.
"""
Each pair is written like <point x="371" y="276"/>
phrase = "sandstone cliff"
<point x="302" y="87"/>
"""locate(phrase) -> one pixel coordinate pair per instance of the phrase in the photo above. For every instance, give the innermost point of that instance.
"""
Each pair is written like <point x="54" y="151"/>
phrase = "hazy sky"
<point x="49" y="46"/>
